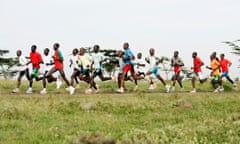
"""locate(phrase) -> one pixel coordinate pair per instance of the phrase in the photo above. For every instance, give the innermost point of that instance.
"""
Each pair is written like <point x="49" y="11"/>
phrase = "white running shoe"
<point x="88" y="91"/>
<point x="29" y="91"/>
<point x="16" y="90"/>
<point x="121" y="90"/>
<point x="43" y="91"/>
<point x="167" y="88"/>
<point x="71" y="90"/>
<point x="216" y="90"/>
<point x="221" y="89"/>
<point x="59" y="83"/>
<point x="151" y="87"/>
<point x="135" y="88"/>
<point x="193" y="91"/>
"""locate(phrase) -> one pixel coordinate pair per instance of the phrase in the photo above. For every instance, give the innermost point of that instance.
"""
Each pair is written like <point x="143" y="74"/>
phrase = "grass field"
<point x="133" y="117"/>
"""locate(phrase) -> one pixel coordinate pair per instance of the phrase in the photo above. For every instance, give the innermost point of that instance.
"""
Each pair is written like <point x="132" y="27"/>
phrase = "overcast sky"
<point x="166" y="25"/>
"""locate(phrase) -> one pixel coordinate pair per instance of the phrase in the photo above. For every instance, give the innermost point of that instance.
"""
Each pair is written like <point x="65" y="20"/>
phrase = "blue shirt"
<point x="128" y="53"/>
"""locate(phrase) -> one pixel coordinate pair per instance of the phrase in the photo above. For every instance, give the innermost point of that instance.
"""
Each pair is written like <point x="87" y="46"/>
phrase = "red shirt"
<point x="36" y="59"/>
<point x="58" y="59"/>
<point x="224" y="64"/>
<point x="197" y="63"/>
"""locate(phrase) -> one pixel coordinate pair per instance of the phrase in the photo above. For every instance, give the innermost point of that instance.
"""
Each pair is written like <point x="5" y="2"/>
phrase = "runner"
<point x="139" y="65"/>
<point x="23" y="70"/>
<point x="97" y="60"/>
<point x="225" y="64"/>
<point x="76" y="70"/>
<point x="215" y="73"/>
<point x="48" y="64"/>
<point x="127" y="58"/>
<point x="197" y="71"/>
<point x="58" y="66"/>
<point x="85" y="61"/>
<point x="35" y="60"/>
<point x="177" y="63"/>
<point x="153" y="61"/>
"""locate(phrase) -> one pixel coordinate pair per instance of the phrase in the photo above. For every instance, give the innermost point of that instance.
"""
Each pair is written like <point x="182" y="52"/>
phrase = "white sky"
<point x="166" y="25"/>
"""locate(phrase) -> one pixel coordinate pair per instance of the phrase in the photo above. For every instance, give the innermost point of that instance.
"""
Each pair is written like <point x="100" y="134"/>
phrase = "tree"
<point x="111" y="55"/>
<point x="6" y="65"/>
<point x="112" y="60"/>
<point x="235" y="47"/>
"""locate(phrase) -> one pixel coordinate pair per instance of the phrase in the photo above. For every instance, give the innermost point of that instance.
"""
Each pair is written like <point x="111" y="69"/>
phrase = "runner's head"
<point x="194" y="54"/>
<point x="19" y="53"/>
<point x="222" y="56"/>
<point x="151" y="51"/>
<point x="139" y="55"/>
<point x="125" y="45"/>
<point x="33" y="48"/>
<point x="75" y="52"/>
<point x="214" y="54"/>
<point x="175" y="54"/>
<point x="46" y="51"/>
<point x="82" y="51"/>
<point x="120" y="53"/>
<point x="56" y="46"/>
<point x="96" y="48"/>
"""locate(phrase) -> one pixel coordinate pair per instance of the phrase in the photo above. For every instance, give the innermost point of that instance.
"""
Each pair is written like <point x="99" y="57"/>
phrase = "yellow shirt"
<point x="85" y="61"/>
<point x="215" y="67"/>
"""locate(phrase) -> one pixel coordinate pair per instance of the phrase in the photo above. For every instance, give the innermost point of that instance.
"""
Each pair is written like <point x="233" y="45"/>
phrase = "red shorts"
<point x="177" y="69"/>
<point x="127" y="68"/>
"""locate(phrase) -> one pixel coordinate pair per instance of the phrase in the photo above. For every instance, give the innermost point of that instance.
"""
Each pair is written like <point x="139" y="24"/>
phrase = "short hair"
<point x="34" y="47"/>
<point x="47" y="49"/>
<point x="57" y="45"/>
<point x="19" y="51"/>
<point x="96" y="46"/>
<point x="76" y="50"/>
<point x="194" y="53"/>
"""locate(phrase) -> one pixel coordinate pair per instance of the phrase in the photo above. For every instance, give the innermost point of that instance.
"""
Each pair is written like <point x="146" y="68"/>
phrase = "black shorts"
<point x="141" y="73"/>
<point x="77" y="71"/>
<point x="26" y="73"/>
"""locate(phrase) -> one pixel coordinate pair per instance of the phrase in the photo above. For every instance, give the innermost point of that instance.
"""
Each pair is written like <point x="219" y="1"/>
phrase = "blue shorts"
<point x="154" y="71"/>
<point x="225" y="74"/>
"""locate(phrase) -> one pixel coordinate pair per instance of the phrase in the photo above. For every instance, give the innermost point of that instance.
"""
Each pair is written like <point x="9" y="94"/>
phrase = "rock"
<point x="88" y="106"/>
<point x="184" y="104"/>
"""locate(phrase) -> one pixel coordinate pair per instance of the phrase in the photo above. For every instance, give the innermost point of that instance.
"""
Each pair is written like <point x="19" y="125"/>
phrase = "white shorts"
<point x="198" y="75"/>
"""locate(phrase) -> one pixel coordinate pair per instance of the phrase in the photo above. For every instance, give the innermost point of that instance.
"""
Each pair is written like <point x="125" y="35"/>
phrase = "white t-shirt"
<point x="97" y="58"/>
<point x="139" y="68"/>
<point x="47" y="60"/>
<point x="176" y="60"/>
<point x="23" y="63"/>
<point x="85" y="60"/>
<point x="75" y="60"/>
<point x="153" y="61"/>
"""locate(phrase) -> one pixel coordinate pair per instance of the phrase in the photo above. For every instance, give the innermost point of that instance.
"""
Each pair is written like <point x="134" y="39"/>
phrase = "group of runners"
<point x="87" y="66"/>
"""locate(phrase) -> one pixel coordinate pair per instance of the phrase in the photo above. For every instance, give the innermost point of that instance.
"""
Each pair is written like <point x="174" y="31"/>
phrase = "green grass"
<point x="141" y="117"/>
